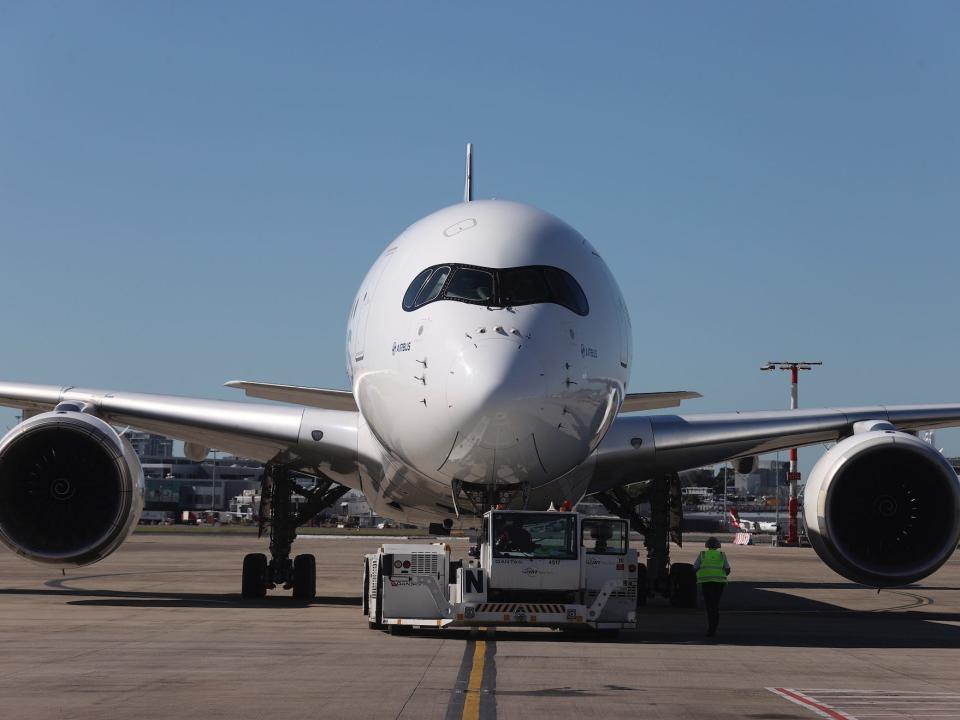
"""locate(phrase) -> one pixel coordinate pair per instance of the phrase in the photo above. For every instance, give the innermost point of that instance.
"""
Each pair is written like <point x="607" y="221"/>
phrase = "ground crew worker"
<point x="712" y="569"/>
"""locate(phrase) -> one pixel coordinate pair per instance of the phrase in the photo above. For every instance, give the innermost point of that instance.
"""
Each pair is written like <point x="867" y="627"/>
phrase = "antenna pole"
<point x="468" y="175"/>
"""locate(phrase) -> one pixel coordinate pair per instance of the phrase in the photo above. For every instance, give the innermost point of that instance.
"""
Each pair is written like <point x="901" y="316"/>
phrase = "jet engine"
<point x="71" y="489"/>
<point x="882" y="508"/>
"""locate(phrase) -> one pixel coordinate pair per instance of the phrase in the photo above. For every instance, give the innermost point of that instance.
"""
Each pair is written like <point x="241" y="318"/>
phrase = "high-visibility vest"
<point x="711" y="567"/>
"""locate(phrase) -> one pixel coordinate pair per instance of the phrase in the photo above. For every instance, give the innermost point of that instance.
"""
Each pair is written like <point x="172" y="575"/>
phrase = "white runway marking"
<point x="847" y="704"/>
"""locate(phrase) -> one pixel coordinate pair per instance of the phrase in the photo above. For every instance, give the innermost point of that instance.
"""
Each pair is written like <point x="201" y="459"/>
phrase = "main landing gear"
<point x="675" y="581"/>
<point x="283" y="516"/>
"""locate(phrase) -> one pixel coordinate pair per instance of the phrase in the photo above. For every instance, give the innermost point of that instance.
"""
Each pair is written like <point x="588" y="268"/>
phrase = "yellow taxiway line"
<point x="471" y="703"/>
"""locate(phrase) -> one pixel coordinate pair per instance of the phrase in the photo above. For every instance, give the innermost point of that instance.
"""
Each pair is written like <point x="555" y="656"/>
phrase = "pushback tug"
<point x="559" y="570"/>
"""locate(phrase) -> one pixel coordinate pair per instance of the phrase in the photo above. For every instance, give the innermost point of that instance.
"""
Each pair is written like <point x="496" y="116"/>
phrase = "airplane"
<point x="488" y="350"/>
<point x="750" y="526"/>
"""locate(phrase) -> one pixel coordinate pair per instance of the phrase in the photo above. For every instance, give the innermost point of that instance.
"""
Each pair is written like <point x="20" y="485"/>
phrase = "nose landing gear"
<point x="484" y="496"/>
<point x="283" y="516"/>
<point x="675" y="581"/>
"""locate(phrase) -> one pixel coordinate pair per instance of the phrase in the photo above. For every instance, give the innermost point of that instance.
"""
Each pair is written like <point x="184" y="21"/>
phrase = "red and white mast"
<point x="793" y="477"/>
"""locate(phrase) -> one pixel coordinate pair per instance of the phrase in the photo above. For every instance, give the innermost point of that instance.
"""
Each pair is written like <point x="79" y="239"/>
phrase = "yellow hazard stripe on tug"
<point x="471" y="704"/>
<point x="521" y="607"/>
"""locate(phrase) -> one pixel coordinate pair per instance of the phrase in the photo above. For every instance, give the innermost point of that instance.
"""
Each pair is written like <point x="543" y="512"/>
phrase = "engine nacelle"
<point x="71" y="489"/>
<point x="746" y="465"/>
<point x="882" y="508"/>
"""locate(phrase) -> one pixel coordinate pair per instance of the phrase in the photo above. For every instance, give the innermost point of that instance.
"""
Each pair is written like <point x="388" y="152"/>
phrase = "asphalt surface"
<point x="158" y="630"/>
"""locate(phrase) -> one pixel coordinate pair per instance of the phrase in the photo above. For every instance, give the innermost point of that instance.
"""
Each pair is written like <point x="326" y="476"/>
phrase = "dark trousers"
<point x="711" y="599"/>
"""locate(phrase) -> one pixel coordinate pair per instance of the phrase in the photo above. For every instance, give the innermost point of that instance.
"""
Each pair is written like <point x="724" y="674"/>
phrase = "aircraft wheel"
<point x="254" y="576"/>
<point x="305" y="577"/>
<point x="683" y="585"/>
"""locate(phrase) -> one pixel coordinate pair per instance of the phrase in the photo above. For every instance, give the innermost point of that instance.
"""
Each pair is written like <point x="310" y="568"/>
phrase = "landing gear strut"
<point x="675" y="581"/>
<point x="279" y="512"/>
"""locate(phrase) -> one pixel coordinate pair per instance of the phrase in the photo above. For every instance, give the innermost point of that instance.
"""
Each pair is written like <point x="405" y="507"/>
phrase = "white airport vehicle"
<point x="488" y="351"/>
<point x="548" y="569"/>
<point x="155" y="517"/>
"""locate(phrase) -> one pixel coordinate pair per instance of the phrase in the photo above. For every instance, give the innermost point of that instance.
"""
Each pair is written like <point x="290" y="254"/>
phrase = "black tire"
<point x="254" y="584"/>
<point x="683" y="585"/>
<point x="305" y="577"/>
<point x="641" y="584"/>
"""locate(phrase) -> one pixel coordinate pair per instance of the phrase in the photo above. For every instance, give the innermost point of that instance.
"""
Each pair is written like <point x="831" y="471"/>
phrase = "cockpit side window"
<point x="471" y="285"/>
<point x="566" y="291"/>
<point x="410" y="296"/>
<point x="431" y="289"/>
<point x="491" y="287"/>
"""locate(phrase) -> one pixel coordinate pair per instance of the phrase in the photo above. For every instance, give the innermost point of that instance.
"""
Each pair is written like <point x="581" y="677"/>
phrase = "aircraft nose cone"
<point x="494" y="391"/>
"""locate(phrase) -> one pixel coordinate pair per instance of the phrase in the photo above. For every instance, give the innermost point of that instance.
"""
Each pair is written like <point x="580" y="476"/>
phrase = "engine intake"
<point x="882" y="508"/>
<point x="71" y="489"/>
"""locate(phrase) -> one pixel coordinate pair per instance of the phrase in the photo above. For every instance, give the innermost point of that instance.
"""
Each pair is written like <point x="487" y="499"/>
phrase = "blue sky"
<point x="191" y="192"/>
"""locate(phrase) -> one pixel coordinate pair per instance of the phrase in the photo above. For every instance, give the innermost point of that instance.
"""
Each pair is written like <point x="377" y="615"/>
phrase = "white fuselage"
<point x="474" y="389"/>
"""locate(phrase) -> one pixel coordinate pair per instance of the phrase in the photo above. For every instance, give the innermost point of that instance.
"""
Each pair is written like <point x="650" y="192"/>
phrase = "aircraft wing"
<point x="640" y="446"/>
<point x="307" y="438"/>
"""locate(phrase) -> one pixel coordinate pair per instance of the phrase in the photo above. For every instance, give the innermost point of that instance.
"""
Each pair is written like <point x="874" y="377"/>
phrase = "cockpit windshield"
<point x="519" y="286"/>
<point x="470" y="285"/>
<point x="491" y="287"/>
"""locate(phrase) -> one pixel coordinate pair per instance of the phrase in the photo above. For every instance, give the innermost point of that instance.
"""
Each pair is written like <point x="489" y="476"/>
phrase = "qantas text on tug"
<point x="489" y="349"/>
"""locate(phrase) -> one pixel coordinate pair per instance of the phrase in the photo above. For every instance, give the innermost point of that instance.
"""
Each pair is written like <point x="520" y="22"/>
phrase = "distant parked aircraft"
<point x="750" y="526"/>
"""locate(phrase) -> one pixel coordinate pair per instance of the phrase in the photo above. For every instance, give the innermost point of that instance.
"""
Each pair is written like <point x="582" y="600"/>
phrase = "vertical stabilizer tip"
<point x="468" y="175"/>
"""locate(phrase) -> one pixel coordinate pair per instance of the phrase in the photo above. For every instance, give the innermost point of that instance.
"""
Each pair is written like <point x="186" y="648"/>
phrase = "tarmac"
<point x="158" y="630"/>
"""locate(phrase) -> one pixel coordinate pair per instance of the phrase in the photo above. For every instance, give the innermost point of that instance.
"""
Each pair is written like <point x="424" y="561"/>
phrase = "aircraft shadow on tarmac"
<point x="127" y="598"/>
<point x="752" y="614"/>
<point x="769" y="614"/>
<point x="766" y="614"/>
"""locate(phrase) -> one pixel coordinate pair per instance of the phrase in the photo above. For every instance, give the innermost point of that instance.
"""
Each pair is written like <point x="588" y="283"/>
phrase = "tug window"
<point x="493" y="288"/>
<point x="517" y="534"/>
<point x="604" y="537"/>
